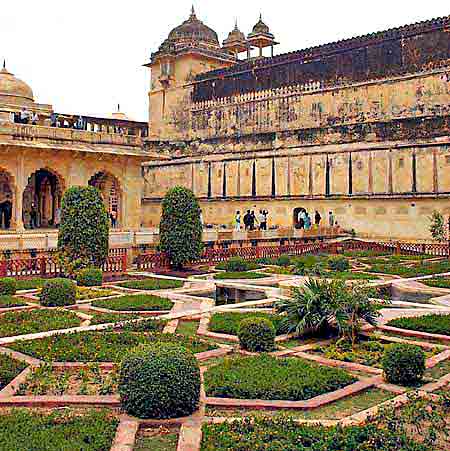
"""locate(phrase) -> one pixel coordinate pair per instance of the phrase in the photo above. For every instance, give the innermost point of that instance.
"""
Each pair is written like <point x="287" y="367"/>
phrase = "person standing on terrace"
<point x="237" y="221"/>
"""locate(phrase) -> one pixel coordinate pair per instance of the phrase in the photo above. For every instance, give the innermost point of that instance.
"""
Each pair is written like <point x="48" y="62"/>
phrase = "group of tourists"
<point x="251" y="221"/>
<point x="304" y="220"/>
<point x="28" y="117"/>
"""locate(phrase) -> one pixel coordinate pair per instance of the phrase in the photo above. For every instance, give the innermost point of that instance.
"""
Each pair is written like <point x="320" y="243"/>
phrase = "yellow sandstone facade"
<point x="359" y="127"/>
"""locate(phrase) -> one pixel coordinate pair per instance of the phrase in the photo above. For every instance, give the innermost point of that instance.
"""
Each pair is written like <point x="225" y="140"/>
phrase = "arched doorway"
<point x="109" y="187"/>
<point x="42" y="200"/>
<point x="6" y="200"/>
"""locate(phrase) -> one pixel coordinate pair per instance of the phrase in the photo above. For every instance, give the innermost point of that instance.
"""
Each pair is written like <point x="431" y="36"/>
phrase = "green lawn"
<point x="415" y="270"/>
<point x="266" y="377"/>
<point x="106" y="318"/>
<point x="433" y="324"/>
<point x="187" y="328"/>
<point x="228" y="323"/>
<point x="30" y="284"/>
<point x="240" y="275"/>
<point x="22" y="430"/>
<point x="151" y="284"/>
<point x="333" y="411"/>
<point x="139" y="302"/>
<point x="11" y="301"/>
<point x="9" y="369"/>
<point x="104" y="346"/>
<point x="438" y="283"/>
<point x="38" y="320"/>
<point x="157" y="440"/>
<point x="283" y="434"/>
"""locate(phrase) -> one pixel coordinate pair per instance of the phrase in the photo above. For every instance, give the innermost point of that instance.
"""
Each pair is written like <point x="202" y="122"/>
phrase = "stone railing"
<point x="38" y="132"/>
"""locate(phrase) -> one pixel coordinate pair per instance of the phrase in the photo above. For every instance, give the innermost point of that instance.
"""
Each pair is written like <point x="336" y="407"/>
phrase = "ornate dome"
<point x="194" y="30"/>
<point x="260" y="28"/>
<point x="13" y="90"/>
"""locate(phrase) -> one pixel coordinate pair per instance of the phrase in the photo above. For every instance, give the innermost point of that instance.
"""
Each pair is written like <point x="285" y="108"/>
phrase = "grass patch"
<point x="333" y="411"/>
<point x="283" y="434"/>
<point x="433" y="324"/>
<point x="228" y="323"/>
<point x="439" y="370"/>
<point x="9" y="369"/>
<point x="348" y="275"/>
<point x="30" y="284"/>
<point x="11" y="301"/>
<point x="415" y="270"/>
<point x="107" y="318"/>
<point x="187" y="328"/>
<point x="239" y="275"/>
<point x="157" y="440"/>
<point x="84" y="294"/>
<point x="45" y="381"/>
<point x="139" y="302"/>
<point x="32" y="321"/>
<point x="104" y="346"/>
<point x="68" y="431"/>
<point x="266" y="377"/>
<point x="151" y="284"/>
<point x="437" y="283"/>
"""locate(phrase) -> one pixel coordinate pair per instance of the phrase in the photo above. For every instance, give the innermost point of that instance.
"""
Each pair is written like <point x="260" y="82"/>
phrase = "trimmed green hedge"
<point x="58" y="293"/>
<point x="32" y="321"/>
<point x="267" y="377"/>
<point x="139" y="302"/>
<point x="284" y="434"/>
<point x="160" y="381"/>
<point x="60" y="430"/>
<point x="9" y="369"/>
<point x="256" y="335"/>
<point x="433" y="324"/>
<point x="11" y="301"/>
<point x="228" y="322"/>
<point x="89" y="277"/>
<point x="240" y="275"/>
<point x="438" y="283"/>
<point x="151" y="284"/>
<point x="104" y="346"/>
<point x="238" y="264"/>
<point x="83" y="237"/>
<point x="404" y="364"/>
<point x="8" y="286"/>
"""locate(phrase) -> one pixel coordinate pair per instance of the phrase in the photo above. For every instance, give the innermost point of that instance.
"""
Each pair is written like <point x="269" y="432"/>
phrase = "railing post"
<point x="3" y="268"/>
<point x="43" y="263"/>
<point x="124" y="261"/>
<point x="398" y="249"/>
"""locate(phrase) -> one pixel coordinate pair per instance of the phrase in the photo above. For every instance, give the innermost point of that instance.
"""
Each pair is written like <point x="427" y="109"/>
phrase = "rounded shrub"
<point x="8" y="286"/>
<point x="58" y="293"/>
<point x="256" y="334"/>
<point x="159" y="381"/>
<point x="282" y="260"/>
<point x="237" y="264"/>
<point x="338" y="263"/>
<point x="89" y="277"/>
<point x="403" y="364"/>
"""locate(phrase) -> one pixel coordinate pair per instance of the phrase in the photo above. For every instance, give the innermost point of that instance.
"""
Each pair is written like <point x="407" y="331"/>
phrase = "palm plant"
<point x="308" y="310"/>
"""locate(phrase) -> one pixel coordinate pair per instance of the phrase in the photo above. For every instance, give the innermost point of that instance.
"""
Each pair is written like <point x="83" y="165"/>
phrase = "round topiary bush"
<point x="90" y="277"/>
<point x="338" y="263"/>
<point x="236" y="264"/>
<point x="403" y="364"/>
<point x="159" y="381"/>
<point x="282" y="260"/>
<point x="58" y="293"/>
<point x="257" y="335"/>
<point x="8" y="286"/>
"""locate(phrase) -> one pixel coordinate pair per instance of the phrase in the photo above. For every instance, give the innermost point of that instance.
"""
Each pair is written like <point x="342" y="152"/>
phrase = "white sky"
<point x="85" y="56"/>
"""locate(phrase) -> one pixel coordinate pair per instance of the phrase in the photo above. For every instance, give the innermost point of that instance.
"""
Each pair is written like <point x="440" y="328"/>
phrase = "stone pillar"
<point x="20" y="188"/>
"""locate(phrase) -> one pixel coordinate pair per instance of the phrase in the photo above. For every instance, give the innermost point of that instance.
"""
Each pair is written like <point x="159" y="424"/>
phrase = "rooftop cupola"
<point x="14" y="91"/>
<point x="236" y="42"/>
<point x="261" y="37"/>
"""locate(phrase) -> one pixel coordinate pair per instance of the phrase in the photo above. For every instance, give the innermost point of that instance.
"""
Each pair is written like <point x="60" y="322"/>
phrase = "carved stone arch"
<point x="111" y="190"/>
<point x="8" y="196"/>
<point x="42" y="198"/>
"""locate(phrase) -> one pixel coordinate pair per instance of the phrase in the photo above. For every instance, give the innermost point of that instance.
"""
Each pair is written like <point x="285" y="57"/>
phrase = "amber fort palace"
<point x="359" y="127"/>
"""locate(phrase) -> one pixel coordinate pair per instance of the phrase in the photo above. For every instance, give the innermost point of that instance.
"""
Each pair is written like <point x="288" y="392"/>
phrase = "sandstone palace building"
<point x="359" y="127"/>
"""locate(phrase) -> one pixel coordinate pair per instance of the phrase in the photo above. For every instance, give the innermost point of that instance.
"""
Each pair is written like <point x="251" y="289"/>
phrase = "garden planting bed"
<point x="240" y="275"/>
<point x="433" y="324"/>
<point x="36" y="320"/>
<point x="135" y="303"/>
<point x="7" y="302"/>
<point x="149" y="284"/>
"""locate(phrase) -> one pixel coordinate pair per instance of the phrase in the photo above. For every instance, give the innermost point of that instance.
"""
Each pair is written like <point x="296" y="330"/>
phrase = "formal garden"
<point x="298" y="352"/>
